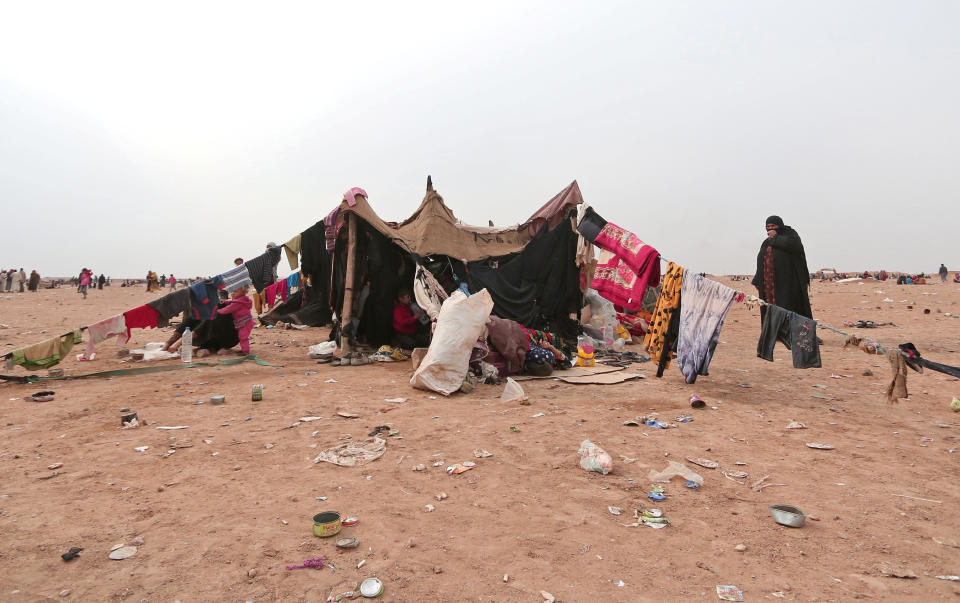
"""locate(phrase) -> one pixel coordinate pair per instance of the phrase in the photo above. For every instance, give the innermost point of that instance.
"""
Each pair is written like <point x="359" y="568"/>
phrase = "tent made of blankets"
<point x="357" y="262"/>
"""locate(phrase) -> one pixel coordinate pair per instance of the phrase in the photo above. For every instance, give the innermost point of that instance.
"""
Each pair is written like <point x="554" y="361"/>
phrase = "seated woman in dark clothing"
<point x="409" y="332"/>
<point x="210" y="336"/>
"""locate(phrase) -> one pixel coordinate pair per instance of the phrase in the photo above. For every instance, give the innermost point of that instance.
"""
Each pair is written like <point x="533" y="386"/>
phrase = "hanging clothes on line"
<point x="46" y="353"/>
<point x="291" y="248"/>
<point x="235" y="278"/>
<point x="204" y="298"/>
<point x="142" y="317"/>
<point x="797" y="332"/>
<point x="105" y="329"/>
<point x="170" y="305"/>
<point x="665" y="324"/>
<point x="262" y="269"/>
<point x="704" y="308"/>
<point x="624" y="278"/>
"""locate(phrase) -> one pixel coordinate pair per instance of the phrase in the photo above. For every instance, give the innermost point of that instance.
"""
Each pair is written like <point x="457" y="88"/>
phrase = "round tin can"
<point x="256" y="393"/>
<point x="326" y="524"/>
<point x="127" y="415"/>
<point x="371" y="588"/>
<point x="217" y="400"/>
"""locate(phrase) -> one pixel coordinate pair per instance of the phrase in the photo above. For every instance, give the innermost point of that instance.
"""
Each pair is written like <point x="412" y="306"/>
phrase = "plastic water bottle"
<point x="186" y="346"/>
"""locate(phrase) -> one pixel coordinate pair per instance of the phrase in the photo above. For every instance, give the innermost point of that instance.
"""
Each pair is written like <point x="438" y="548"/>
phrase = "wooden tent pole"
<point x="347" y="310"/>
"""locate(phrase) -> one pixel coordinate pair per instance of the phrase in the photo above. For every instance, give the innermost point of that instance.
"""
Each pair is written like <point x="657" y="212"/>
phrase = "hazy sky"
<point x="176" y="136"/>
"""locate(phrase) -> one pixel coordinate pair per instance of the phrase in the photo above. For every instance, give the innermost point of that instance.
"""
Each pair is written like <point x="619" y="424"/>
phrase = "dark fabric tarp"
<point x="536" y="286"/>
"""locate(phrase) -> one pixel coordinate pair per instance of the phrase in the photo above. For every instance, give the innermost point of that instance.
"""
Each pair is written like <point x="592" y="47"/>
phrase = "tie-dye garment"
<point x="705" y="306"/>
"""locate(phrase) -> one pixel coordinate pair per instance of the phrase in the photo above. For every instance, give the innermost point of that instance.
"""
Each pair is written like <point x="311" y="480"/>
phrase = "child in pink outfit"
<point x="240" y="306"/>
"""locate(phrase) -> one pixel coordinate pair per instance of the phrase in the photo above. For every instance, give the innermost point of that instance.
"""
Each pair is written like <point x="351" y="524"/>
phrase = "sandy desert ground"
<point x="222" y="516"/>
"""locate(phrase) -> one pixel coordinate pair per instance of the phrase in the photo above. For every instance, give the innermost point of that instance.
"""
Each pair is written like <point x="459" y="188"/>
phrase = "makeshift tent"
<point x="529" y="269"/>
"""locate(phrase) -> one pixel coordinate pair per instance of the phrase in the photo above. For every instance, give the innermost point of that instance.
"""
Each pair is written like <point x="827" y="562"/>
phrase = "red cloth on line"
<point x="616" y="282"/>
<point x="143" y="317"/>
<point x="643" y="259"/>
<point x="279" y="287"/>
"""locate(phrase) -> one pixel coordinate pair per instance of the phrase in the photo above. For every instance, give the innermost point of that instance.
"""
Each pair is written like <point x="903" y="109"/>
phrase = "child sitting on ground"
<point x="408" y="331"/>
<point x="240" y="306"/>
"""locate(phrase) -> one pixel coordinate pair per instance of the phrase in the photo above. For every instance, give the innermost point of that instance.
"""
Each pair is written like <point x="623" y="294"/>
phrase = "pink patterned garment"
<point x="639" y="257"/>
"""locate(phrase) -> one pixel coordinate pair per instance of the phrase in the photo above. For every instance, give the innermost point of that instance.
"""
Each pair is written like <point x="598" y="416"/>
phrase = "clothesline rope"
<point x="754" y="299"/>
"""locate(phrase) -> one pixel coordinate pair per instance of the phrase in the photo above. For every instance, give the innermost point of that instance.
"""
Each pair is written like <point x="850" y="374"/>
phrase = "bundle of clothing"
<point x="513" y="348"/>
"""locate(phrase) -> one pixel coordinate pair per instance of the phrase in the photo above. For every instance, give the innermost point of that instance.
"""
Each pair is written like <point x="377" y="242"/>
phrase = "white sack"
<point x="459" y="325"/>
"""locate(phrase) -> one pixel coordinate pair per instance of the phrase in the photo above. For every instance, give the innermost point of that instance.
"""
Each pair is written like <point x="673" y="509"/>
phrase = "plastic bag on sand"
<point x="459" y="324"/>
<point x="594" y="458"/>
<point x="322" y="349"/>
<point x="353" y="454"/>
<point x="512" y="392"/>
<point x="674" y="469"/>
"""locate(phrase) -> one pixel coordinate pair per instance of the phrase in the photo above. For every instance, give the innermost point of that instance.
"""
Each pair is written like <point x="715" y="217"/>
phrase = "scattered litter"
<point x="920" y="499"/>
<point x="142" y="448"/>
<point x="331" y="381"/>
<point x="441" y="496"/>
<point x="352" y="454"/>
<point x="684" y="419"/>
<point x="819" y="446"/>
<point x="674" y="469"/>
<point x="632" y="423"/>
<point x="316" y="563"/>
<point x="737" y="474"/>
<point x="481" y="454"/>
<point x="308" y="419"/>
<point x="347" y="415"/>
<point x="512" y="392"/>
<point x="696" y="401"/>
<point x="429" y="508"/>
<point x="787" y="515"/>
<point x="895" y="571"/>
<point x="760" y="484"/>
<point x="420" y="467"/>
<point x="950" y="578"/>
<point x="728" y="592"/>
<point x="615" y="510"/>
<point x="796" y="425"/>
<point x="459" y="468"/>
<point x="46" y="396"/>
<point x="547" y="596"/>
<point x="396" y="400"/>
<point x="539" y="414"/>
<point x="348" y="543"/>
<point x="627" y="459"/>
<point x="124" y="552"/>
<point x="72" y="554"/>
<point x="704" y="462"/>
<point x="175" y="427"/>
<point x="54" y="466"/>
<point x="593" y="458"/>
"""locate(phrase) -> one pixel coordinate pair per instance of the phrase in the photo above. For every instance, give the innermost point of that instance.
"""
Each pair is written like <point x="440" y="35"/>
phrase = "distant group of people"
<point x="900" y="278"/>
<point x="88" y="280"/>
<point x="10" y="278"/>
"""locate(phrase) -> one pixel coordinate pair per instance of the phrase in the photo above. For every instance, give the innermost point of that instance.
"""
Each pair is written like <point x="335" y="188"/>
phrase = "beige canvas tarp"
<point x="434" y="230"/>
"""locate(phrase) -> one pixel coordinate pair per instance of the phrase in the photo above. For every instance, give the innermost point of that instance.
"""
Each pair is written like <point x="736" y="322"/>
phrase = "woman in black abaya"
<point x="782" y="278"/>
